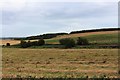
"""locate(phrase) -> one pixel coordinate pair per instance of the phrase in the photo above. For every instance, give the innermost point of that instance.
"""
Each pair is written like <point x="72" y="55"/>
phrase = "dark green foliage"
<point x="67" y="42"/>
<point x="25" y="44"/>
<point x="7" y="44"/>
<point x="82" y="41"/>
<point x="41" y="42"/>
<point x="3" y="45"/>
<point x="45" y="36"/>
<point x="95" y="30"/>
<point x="29" y="43"/>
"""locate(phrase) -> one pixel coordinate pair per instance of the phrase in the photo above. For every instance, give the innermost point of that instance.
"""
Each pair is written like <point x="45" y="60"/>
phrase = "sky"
<point x="21" y="18"/>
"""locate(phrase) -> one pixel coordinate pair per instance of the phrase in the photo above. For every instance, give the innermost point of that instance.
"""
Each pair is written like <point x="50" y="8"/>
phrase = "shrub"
<point x="82" y="41"/>
<point x="29" y="43"/>
<point x="67" y="42"/>
<point x="34" y="43"/>
<point x="3" y="45"/>
<point x="24" y="44"/>
<point x="40" y="42"/>
<point x="7" y="44"/>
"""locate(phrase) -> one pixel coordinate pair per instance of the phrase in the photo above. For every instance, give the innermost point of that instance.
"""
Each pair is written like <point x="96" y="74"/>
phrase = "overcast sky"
<point x="26" y="18"/>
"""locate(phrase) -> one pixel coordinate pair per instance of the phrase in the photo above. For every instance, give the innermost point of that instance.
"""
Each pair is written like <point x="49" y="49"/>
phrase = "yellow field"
<point x="64" y="63"/>
<point x="12" y="42"/>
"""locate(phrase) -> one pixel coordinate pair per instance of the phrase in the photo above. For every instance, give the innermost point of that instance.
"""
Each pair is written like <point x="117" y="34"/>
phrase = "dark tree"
<point x="41" y="42"/>
<point x="7" y="44"/>
<point x="23" y="44"/>
<point x="82" y="41"/>
<point x="67" y="42"/>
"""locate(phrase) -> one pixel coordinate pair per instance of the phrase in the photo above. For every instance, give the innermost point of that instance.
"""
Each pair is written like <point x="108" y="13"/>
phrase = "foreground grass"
<point x="55" y="63"/>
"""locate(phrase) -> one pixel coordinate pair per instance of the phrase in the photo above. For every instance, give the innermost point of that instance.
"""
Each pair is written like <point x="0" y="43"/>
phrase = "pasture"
<point x="109" y="38"/>
<point x="55" y="63"/>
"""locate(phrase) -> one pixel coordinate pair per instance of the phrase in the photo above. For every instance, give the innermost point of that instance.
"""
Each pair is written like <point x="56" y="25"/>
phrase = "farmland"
<point x="55" y="63"/>
<point x="105" y="37"/>
<point x="108" y="37"/>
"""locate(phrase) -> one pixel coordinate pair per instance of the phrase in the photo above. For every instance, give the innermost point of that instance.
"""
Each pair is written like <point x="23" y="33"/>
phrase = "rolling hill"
<point x="107" y="36"/>
<point x="104" y="37"/>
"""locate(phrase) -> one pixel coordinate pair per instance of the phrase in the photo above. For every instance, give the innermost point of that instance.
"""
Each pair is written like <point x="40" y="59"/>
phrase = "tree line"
<point x="52" y="35"/>
<point x="66" y="42"/>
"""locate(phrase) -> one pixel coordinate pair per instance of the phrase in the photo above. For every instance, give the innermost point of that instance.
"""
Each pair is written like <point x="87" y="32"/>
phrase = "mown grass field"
<point x="51" y="61"/>
<point x="55" y="63"/>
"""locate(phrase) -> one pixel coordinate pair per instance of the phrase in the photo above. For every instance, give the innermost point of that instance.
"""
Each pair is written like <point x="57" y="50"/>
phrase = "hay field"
<point x="55" y="63"/>
<point x="12" y="42"/>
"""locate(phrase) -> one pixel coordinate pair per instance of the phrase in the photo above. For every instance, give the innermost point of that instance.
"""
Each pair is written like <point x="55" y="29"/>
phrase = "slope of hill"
<point x="103" y="37"/>
<point x="53" y="35"/>
<point x="95" y="37"/>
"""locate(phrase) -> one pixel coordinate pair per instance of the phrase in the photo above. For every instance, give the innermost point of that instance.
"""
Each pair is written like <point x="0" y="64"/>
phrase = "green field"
<point x="56" y="63"/>
<point x="93" y="39"/>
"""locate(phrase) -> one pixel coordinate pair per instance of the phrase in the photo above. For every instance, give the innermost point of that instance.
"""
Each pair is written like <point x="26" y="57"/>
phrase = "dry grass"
<point x="12" y="42"/>
<point x="59" y="62"/>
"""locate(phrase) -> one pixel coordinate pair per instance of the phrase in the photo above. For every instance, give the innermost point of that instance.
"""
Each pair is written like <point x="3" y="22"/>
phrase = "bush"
<point x="67" y="42"/>
<point x="7" y="44"/>
<point x="82" y="41"/>
<point x="40" y="42"/>
<point x="3" y="45"/>
<point x="29" y="43"/>
<point x="24" y="44"/>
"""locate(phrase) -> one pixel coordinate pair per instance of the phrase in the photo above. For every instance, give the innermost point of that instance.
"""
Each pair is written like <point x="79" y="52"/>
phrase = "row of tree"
<point x="52" y="35"/>
<point x="67" y="42"/>
<point x="45" y="36"/>
<point x="95" y="30"/>
<point x="25" y="44"/>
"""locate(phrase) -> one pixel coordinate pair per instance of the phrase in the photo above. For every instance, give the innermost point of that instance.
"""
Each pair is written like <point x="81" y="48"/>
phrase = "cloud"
<point x="30" y="18"/>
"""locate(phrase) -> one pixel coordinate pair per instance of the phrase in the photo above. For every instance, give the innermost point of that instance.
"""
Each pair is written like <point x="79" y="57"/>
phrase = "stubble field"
<point x="55" y="63"/>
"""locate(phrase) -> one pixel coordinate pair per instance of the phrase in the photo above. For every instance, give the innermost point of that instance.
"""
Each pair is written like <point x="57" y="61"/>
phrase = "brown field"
<point x="49" y="63"/>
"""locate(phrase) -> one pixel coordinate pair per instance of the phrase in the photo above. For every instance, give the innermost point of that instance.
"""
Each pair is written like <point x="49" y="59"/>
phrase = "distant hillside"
<point x="53" y="35"/>
<point x="45" y="36"/>
<point x="100" y="37"/>
<point x="95" y="30"/>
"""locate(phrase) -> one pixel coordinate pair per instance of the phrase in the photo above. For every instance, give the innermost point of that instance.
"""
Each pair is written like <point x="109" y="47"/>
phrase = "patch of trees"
<point x="82" y="41"/>
<point x="69" y="42"/>
<point x="52" y="35"/>
<point x="25" y="44"/>
<point x="20" y="38"/>
<point x="95" y="30"/>
<point x="45" y="36"/>
<point x="7" y="44"/>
